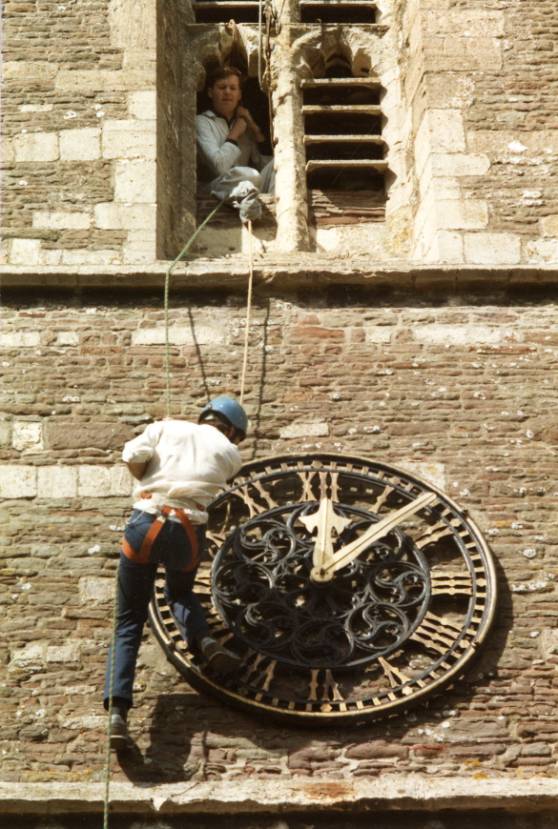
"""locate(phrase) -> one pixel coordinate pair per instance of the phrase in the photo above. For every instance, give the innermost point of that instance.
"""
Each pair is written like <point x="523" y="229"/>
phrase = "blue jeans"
<point x="135" y="588"/>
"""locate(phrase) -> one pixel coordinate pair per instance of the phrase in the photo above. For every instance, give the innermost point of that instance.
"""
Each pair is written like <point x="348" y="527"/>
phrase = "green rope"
<point x="112" y="671"/>
<point x="170" y="269"/>
<point x="112" y="666"/>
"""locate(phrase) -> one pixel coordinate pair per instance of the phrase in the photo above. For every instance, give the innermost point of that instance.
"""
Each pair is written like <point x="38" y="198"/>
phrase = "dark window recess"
<point x="221" y="11"/>
<point x="332" y="11"/>
<point x="345" y="165"/>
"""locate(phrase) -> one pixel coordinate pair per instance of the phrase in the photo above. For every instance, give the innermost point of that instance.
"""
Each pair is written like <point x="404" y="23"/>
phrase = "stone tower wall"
<point x="427" y="341"/>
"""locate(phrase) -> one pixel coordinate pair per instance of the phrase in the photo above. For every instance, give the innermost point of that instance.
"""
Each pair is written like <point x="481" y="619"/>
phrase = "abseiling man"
<point x="228" y="140"/>
<point x="180" y="467"/>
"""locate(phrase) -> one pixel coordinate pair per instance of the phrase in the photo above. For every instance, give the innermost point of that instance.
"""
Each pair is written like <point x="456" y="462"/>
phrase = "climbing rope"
<point x="248" y="312"/>
<point x="112" y="671"/>
<point x="168" y="274"/>
<point x="185" y="249"/>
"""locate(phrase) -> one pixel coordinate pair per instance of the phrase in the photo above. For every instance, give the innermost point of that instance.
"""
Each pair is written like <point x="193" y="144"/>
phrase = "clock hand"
<point x="324" y="521"/>
<point x="352" y="550"/>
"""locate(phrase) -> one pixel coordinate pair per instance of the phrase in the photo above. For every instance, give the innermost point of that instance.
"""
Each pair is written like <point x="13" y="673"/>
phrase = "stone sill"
<point x="280" y="795"/>
<point x="284" y="273"/>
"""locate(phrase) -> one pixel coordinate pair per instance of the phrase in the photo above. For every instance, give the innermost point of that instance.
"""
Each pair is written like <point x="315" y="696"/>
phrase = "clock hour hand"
<point x="352" y="550"/>
<point x="325" y="520"/>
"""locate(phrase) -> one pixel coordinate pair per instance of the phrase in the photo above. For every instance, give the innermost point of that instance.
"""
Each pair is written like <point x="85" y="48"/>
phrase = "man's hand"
<point x="244" y="114"/>
<point x="238" y="128"/>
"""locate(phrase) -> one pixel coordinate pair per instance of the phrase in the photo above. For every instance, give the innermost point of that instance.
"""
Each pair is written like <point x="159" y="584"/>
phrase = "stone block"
<point x="18" y="481"/>
<point x="549" y="225"/>
<point x="80" y="144"/>
<point x="143" y="104"/>
<point x="129" y="139"/>
<point x="57" y="482"/>
<point x="68" y="652"/>
<point x="449" y="246"/>
<point x="99" y="80"/>
<point x="135" y="182"/>
<point x="132" y="23"/>
<point x="34" y="653"/>
<point x="20" y="339"/>
<point x="61" y="220"/>
<point x="95" y="589"/>
<point x="312" y="429"/>
<point x="461" y="215"/>
<point x="103" y="481"/>
<point x="51" y="257"/>
<point x="459" y="335"/>
<point x="140" y="247"/>
<point x="441" y="130"/>
<point x="111" y="216"/>
<point x="459" y="164"/>
<point x="378" y="333"/>
<point x="182" y="335"/>
<point x="69" y="338"/>
<point x="543" y="251"/>
<point x="98" y="434"/>
<point x="85" y="256"/>
<point x="5" y="433"/>
<point x="27" y="434"/>
<point x="430" y="471"/>
<point x="29" y="71"/>
<point x="25" y="252"/>
<point x="492" y="248"/>
<point x="36" y="146"/>
<point x="548" y="643"/>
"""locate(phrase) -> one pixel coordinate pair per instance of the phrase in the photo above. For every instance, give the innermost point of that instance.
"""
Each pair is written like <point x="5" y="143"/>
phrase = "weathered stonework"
<point x="427" y="340"/>
<point x="472" y="154"/>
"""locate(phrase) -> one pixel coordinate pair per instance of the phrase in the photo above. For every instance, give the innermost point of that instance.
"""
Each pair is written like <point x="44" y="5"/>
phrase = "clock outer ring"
<point x="177" y="652"/>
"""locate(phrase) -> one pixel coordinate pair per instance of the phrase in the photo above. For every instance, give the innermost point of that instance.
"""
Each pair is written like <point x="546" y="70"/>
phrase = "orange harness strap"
<point x="142" y="557"/>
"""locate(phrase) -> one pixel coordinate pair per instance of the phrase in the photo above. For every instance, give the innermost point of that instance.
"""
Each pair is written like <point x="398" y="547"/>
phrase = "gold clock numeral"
<point x="324" y="688"/>
<point x="306" y="479"/>
<point x="395" y="677"/>
<point x="433" y="534"/>
<point x="249" y="493"/>
<point x="381" y="499"/>
<point x="437" y="634"/>
<point x="259" y="673"/>
<point x="450" y="582"/>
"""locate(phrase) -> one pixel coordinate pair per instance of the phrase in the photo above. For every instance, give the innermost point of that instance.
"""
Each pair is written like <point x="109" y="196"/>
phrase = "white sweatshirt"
<point x="188" y="465"/>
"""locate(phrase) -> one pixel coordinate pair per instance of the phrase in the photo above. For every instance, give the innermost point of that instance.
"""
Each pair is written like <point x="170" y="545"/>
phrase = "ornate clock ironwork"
<point x="349" y="588"/>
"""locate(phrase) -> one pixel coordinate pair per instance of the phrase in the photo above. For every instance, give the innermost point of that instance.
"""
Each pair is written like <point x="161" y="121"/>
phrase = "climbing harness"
<point x="142" y="555"/>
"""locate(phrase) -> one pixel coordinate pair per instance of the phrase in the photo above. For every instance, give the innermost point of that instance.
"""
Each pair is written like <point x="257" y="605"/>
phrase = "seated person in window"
<point x="228" y="139"/>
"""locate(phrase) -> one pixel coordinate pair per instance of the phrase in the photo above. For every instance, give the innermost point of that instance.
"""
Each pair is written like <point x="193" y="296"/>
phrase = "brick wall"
<point x="460" y="391"/>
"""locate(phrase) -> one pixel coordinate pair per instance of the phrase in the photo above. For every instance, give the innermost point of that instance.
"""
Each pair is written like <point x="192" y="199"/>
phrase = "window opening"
<point x="256" y="101"/>
<point x="332" y="11"/>
<point x="345" y="162"/>
<point x="221" y="11"/>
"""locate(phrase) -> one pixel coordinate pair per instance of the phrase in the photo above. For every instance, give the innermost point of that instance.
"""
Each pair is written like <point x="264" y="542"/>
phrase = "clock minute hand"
<point x="351" y="551"/>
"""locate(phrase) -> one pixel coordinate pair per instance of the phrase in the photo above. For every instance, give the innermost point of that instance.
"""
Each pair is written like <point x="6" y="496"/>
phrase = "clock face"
<point x="349" y="588"/>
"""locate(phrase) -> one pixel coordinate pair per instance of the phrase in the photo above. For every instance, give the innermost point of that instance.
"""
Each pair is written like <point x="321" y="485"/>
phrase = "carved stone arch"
<point x="318" y="51"/>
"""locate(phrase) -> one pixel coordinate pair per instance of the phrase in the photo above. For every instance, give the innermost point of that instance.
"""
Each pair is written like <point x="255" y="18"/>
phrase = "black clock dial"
<point x="349" y="588"/>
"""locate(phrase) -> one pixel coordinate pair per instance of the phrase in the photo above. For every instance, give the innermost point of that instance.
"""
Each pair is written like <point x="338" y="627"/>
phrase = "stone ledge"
<point x="392" y="792"/>
<point x="303" y="271"/>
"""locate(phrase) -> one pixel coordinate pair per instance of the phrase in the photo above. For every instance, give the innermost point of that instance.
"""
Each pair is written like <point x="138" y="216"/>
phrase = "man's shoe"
<point x="219" y="659"/>
<point x="119" y="737"/>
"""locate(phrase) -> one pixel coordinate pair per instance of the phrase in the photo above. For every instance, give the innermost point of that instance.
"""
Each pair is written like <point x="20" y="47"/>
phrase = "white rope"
<point x="248" y="312"/>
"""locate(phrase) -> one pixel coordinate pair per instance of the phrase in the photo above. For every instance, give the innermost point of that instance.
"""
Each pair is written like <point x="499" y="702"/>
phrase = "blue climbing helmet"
<point x="230" y="409"/>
